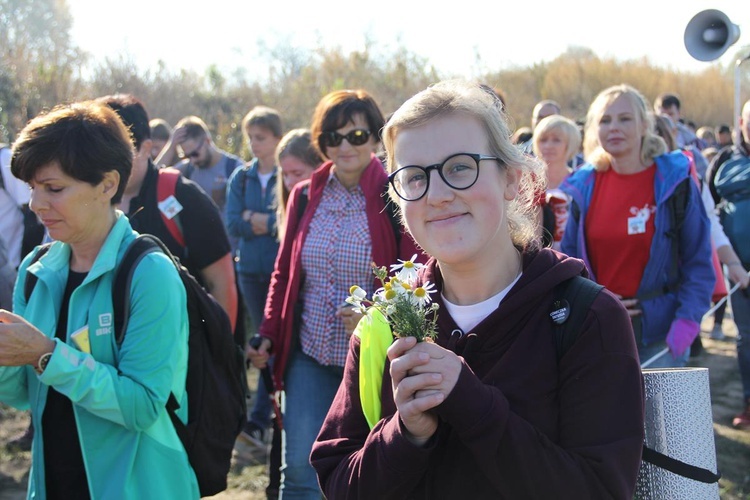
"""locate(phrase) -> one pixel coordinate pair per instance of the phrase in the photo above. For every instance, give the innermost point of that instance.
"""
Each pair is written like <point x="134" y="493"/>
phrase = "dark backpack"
<point x="216" y="378"/>
<point x="732" y="183"/>
<point x="571" y="303"/>
<point x="33" y="229"/>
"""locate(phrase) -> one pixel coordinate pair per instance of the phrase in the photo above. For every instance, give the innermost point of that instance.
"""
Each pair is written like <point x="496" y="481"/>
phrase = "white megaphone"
<point x="709" y="34"/>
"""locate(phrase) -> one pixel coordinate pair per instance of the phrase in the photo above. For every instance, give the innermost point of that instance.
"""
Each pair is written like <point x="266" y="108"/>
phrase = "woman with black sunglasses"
<point x="327" y="245"/>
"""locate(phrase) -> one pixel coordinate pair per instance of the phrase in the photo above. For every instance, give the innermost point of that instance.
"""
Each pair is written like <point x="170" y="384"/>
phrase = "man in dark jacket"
<point x="206" y="252"/>
<point x="729" y="181"/>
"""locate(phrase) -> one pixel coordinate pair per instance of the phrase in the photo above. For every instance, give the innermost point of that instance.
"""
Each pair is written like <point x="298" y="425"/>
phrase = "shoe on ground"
<point x="742" y="421"/>
<point x="253" y="435"/>
<point x="22" y="442"/>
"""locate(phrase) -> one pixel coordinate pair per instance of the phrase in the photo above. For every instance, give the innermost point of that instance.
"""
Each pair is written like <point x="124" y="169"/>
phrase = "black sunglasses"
<point x="355" y="137"/>
<point x="196" y="152"/>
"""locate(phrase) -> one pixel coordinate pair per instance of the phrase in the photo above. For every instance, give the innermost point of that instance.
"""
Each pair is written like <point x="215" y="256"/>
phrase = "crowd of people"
<point x="633" y="198"/>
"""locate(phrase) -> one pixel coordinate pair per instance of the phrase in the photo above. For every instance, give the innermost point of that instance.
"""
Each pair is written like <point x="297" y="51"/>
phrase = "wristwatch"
<point x="42" y="363"/>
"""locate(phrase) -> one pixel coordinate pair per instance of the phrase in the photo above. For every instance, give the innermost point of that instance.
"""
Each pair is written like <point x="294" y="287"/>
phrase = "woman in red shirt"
<point x="626" y="227"/>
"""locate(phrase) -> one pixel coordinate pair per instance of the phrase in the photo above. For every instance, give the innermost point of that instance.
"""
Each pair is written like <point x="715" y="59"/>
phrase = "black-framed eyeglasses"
<point x="355" y="137"/>
<point x="459" y="171"/>
<point x="196" y="152"/>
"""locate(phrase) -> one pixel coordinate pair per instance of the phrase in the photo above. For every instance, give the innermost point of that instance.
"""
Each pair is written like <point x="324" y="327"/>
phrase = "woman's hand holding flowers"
<point x="414" y="411"/>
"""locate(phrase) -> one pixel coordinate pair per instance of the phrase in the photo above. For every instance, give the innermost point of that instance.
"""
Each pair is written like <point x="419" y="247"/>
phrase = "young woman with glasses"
<point x="490" y="409"/>
<point x="326" y="247"/>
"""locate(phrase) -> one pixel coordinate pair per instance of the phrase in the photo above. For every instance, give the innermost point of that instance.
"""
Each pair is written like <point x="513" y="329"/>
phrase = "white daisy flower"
<point x="421" y="294"/>
<point x="407" y="269"/>
<point x="405" y="305"/>
<point x="398" y="286"/>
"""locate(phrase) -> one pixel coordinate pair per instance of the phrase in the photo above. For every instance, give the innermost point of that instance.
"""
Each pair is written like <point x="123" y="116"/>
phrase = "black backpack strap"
<point x="549" y="223"/>
<point x="678" y="467"/>
<point x="677" y="209"/>
<point x="138" y="249"/>
<point x="31" y="279"/>
<point x="189" y="169"/>
<point x="2" y="180"/>
<point x="571" y="303"/>
<point x="304" y="197"/>
<point x="677" y="205"/>
<point x="231" y="165"/>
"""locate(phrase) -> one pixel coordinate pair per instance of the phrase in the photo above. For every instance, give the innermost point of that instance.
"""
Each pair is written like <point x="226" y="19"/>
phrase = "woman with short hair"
<point x="102" y="429"/>
<point x="331" y="244"/>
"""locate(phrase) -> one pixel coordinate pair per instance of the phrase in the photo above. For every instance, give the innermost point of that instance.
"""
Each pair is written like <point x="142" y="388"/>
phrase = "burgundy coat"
<point x="518" y="424"/>
<point x="286" y="280"/>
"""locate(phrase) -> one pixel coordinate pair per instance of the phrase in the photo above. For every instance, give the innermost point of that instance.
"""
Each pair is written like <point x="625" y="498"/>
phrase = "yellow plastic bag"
<point x="375" y="335"/>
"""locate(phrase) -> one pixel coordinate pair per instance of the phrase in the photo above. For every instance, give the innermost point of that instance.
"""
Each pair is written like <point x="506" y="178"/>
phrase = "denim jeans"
<point x="254" y="288"/>
<point x="309" y="392"/>
<point x="664" y="361"/>
<point x="741" y="313"/>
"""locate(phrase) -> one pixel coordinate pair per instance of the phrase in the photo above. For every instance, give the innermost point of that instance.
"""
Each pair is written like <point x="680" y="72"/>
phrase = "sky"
<point x="450" y="34"/>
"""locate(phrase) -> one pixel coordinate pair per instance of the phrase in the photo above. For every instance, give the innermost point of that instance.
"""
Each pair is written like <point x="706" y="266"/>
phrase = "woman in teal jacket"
<point x="101" y="426"/>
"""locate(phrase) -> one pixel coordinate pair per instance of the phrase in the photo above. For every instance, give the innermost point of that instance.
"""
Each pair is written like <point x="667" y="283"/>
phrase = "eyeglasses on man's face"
<point x="459" y="171"/>
<point x="355" y="137"/>
<point x="197" y="151"/>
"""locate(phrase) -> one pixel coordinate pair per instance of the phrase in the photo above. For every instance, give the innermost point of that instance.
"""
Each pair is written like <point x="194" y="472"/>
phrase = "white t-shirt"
<point x="264" y="178"/>
<point x="467" y="317"/>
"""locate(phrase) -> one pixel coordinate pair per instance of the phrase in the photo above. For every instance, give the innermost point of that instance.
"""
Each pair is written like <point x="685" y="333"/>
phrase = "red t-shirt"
<point x="620" y="227"/>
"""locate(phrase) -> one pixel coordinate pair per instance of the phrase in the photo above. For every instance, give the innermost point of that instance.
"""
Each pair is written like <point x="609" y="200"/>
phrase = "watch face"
<point x="43" y="361"/>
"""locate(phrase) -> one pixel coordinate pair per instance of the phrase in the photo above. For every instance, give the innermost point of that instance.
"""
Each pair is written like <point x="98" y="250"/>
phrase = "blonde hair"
<point x="651" y="144"/>
<point x="564" y="125"/>
<point x="461" y="97"/>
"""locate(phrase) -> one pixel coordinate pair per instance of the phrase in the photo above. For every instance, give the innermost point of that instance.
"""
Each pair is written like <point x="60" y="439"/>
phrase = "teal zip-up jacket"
<point x="129" y="445"/>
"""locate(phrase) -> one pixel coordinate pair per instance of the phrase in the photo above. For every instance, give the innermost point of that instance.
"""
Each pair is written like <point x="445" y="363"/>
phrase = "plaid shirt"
<point x="336" y="255"/>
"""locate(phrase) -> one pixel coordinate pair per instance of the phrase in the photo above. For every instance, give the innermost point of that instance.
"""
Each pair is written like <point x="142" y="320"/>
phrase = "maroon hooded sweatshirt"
<point x="518" y="423"/>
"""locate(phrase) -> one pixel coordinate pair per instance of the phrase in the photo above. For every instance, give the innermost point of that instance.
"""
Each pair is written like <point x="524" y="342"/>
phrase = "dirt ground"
<point x="248" y="476"/>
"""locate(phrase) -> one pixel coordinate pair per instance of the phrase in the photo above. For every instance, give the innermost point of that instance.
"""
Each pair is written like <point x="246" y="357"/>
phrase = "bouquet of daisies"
<point x="399" y="308"/>
<point x="406" y="307"/>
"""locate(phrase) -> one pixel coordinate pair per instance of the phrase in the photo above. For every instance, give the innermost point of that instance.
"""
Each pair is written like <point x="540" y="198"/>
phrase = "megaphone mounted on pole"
<point x="709" y="34"/>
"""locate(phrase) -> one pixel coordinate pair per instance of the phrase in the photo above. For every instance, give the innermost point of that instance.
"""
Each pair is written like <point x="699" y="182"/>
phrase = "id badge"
<point x="636" y="225"/>
<point x="170" y="207"/>
<point x="81" y="339"/>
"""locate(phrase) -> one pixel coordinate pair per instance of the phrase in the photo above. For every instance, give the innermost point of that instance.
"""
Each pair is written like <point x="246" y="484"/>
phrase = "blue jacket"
<point x="257" y="254"/>
<point x="129" y="445"/>
<point x="662" y="302"/>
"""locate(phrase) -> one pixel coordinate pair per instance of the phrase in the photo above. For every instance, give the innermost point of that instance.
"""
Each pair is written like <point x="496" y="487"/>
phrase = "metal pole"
<point x="737" y="103"/>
